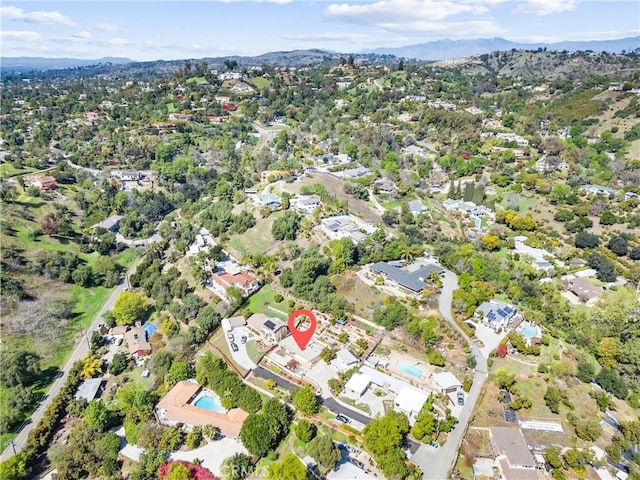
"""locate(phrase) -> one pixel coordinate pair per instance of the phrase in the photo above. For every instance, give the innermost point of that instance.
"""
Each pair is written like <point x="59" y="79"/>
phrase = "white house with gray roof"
<point x="496" y="314"/>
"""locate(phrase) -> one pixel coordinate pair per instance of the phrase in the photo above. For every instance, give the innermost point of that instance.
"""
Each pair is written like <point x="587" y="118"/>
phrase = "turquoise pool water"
<point x="530" y="332"/>
<point x="409" y="369"/>
<point x="209" y="403"/>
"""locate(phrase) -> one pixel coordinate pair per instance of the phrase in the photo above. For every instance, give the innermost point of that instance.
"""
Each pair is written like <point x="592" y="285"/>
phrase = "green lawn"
<point x="262" y="300"/>
<point x="196" y="80"/>
<point x="254" y="354"/>
<point x="8" y="170"/>
<point x="393" y="204"/>
<point x="260" y="82"/>
<point x="256" y="240"/>
<point x="171" y="108"/>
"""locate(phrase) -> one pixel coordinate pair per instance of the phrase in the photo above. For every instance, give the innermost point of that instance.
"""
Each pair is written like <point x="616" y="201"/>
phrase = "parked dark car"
<point x="356" y="462"/>
<point x="342" y="418"/>
<point x="234" y="347"/>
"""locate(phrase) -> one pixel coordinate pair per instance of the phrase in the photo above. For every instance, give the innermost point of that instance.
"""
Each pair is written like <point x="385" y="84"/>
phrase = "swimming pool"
<point x="529" y="332"/>
<point x="408" y="369"/>
<point x="209" y="403"/>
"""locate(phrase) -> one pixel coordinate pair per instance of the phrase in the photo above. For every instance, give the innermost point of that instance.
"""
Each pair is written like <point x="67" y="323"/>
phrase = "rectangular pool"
<point x="408" y="369"/>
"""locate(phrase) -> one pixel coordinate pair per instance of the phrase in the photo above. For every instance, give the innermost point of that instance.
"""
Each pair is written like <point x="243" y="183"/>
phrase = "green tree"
<point x="384" y="433"/>
<point x="305" y="431"/>
<point x="118" y="364"/>
<point x="324" y="450"/>
<point x="305" y="400"/>
<point x="18" y="367"/>
<point x="129" y="307"/>
<point x="237" y="467"/>
<point x="328" y="354"/>
<point x="256" y="436"/>
<point x="97" y="415"/>
<point x="16" y="467"/>
<point x="194" y="437"/>
<point x="178" y="371"/>
<point x="290" y="467"/>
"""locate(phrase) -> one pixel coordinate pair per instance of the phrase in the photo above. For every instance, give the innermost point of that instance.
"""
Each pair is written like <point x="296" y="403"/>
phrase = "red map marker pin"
<point x="302" y="337"/>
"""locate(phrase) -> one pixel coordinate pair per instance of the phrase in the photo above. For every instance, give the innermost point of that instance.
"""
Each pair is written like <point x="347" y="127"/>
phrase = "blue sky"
<point x="150" y="30"/>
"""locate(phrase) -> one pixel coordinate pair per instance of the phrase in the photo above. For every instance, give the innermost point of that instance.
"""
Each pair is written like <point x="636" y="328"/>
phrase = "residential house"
<point x="270" y="328"/>
<point x="513" y="137"/>
<point x="269" y="200"/>
<point x="509" y="448"/>
<point x="415" y="151"/>
<point x="385" y="185"/>
<point x="306" y="203"/>
<point x="228" y="324"/>
<point x="344" y="360"/>
<point x="183" y="117"/>
<point x="110" y="224"/>
<point x="630" y="195"/>
<point x="410" y="402"/>
<point x="137" y="343"/>
<point x="496" y="314"/>
<point x="357" y="385"/>
<point x="416" y="207"/>
<point x="586" y="291"/>
<point x="599" y="190"/>
<point x="346" y="226"/>
<point x="44" y="182"/>
<point x="89" y="389"/>
<point x="447" y="382"/>
<point x="92" y="117"/>
<point x="411" y="282"/>
<point x="242" y="280"/>
<point x="306" y="357"/>
<point x="473" y="110"/>
<point x="179" y="407"/>
<point x="357" y="172"/>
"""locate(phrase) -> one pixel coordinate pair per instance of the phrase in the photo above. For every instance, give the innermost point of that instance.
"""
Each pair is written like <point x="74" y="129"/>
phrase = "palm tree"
<point x="407" y="254"/>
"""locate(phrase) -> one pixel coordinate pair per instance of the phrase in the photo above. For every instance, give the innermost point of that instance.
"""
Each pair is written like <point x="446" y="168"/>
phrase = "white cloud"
<point x="282" y="2"/>
<point x="21" y="35"/>
<point x="578" y="36"/>
<point x="395" y="11"/>
<point x="84" y="35"/>
<point x="545" y="7"/>
<point x="331" y="37"/>
<point x="107" y="27"/>
<point x="51" y="17"/>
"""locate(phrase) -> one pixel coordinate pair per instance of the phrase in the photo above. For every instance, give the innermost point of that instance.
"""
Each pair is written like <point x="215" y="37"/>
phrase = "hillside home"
<point x="410" y="282"/>
<point x="346" y="226"/>
<point x="306" y="203"/>
<point x="44" y="182"/>
<point x="509" y="448"/>
<point x="245" y="281"/>
<point x="447" y="382"/>
<point x="110" y="224"/>
<point x="586" y="291"/>
<point x="269" y="200"/>
<point x="496" y="314"/>
<point x="598" y="190"/>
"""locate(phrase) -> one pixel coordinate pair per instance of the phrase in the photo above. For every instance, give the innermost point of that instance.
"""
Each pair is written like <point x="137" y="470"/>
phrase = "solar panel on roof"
<point x="502" y="313"/>
<point x="508" y="309"/>
<point x="269" y="324"/>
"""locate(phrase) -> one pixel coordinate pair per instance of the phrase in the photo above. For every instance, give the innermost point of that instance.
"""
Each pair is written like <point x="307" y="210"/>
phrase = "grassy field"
<point x="393" y="204"/>
<point x="171" y="108"/>
<point x="254" y="354"/>
<point x="260" y="82"/>
<point x="196" y="80"/>
<point x="257" y="239"/>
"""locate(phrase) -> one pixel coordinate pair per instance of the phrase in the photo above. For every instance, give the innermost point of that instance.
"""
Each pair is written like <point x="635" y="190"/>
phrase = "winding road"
<point x="436" y="463"/>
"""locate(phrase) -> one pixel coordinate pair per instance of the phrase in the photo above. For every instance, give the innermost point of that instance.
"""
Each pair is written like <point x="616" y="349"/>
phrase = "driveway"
<point x="267" y="375"/>
<point x="241" y="357"/>
<point x="212" y="453"/>
<point x="437" y="462"/>
<point x="337" y="407"/>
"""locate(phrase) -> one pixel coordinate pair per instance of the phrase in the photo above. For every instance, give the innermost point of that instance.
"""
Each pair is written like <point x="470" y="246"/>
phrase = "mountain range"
<point x="23" y="64"/>
<point x="449" y="49"/>
<point x="436" y="50"/>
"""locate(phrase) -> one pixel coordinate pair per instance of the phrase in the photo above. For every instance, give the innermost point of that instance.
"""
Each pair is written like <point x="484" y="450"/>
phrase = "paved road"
<point x="436" y="463"/>
<point x="80" y="352"/>
<point x="330" y="402"/>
